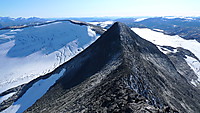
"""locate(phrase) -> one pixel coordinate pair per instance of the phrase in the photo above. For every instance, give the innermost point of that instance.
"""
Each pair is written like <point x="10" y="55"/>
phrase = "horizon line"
<point x="101" y="16"/>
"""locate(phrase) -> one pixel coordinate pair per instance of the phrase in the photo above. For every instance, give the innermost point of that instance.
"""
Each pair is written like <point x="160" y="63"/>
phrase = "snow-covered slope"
<point x="28" y="53"/>
<point x="195" y="66"/>
<point x="33" y="94"/>
<point x="161" y="39"/>
<point x="103" y="24"/>
<point x="140" y="19"/>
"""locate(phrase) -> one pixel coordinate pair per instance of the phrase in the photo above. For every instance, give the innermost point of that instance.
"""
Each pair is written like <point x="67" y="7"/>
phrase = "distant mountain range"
<point x="187" y="28"/>
<point x="7" y="21"/>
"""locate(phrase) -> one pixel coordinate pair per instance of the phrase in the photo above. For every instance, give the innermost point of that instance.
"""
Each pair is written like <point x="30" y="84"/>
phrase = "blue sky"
<point x="91" y="8"/>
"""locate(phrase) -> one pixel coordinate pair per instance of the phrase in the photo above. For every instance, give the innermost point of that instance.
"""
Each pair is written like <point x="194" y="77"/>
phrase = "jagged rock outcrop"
<point x="120" y="72"/>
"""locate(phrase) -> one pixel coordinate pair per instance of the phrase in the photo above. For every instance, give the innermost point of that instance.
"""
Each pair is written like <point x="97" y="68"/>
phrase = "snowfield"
<point x="161" y="39"/>
<point x="35" y="92"/>
<point x="102" y="24"/>
<point x="140" y="19"/>
<point x="195" y="66"/>
<point x="28" y="53"/>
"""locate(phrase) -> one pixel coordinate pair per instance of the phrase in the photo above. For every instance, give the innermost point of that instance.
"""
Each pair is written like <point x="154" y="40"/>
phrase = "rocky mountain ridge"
<point x="120" y="72"/>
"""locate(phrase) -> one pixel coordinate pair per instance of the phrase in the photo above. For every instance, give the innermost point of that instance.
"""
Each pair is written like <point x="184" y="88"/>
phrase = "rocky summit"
<point x="120" y="72"/>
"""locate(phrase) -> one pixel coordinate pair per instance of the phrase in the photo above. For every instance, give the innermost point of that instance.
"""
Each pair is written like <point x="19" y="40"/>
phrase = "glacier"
<point x="28" y="53"/>
<point x="35" y="92"/>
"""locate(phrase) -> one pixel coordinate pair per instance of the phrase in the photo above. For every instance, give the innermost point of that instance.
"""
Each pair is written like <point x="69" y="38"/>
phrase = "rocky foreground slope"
<point x="120" y="72"/>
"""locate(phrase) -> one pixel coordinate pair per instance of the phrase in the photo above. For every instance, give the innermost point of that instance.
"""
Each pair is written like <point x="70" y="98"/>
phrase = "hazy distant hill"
<point x="7" y="21"/>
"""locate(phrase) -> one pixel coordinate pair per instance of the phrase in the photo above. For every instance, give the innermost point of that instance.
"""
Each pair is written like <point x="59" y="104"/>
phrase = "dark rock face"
<point x="178" y="59"/>
<point x="6" y="103"/>
<point x="120" y="72"/>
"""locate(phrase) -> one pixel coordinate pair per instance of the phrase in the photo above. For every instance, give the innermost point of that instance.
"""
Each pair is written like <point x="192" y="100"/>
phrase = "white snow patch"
<point x="33" y="94"/>
<point x="195" y="66"/>
<point x="140" y="19"/>
<point x="166" y="51"/>
<point x="102" y="24"/>
<point x="158" y="30"/>
<point x="16" y="30"/>
<point x="47" y="24"/>
<point x="9" y="34"/>
<point x="4" y="36"/>
<point x="35" y="51"/>
<point x="181" y="17"/>
<point x="194" y="82"/>
<point x="91" y="33"/>
<point x="171" y="17"/>
<point x="5" y="97"/>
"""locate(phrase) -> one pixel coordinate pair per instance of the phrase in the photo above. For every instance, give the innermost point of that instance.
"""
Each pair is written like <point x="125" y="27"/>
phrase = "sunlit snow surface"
<point x="195" y="66"/>
<point x="173" y="41"/>
<point x="5" y="97"/>
<point x="28" y="53"/>
<point x="140" y="19"/>
<point x="103" y="24"/>
<point x="33" y="94"/>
